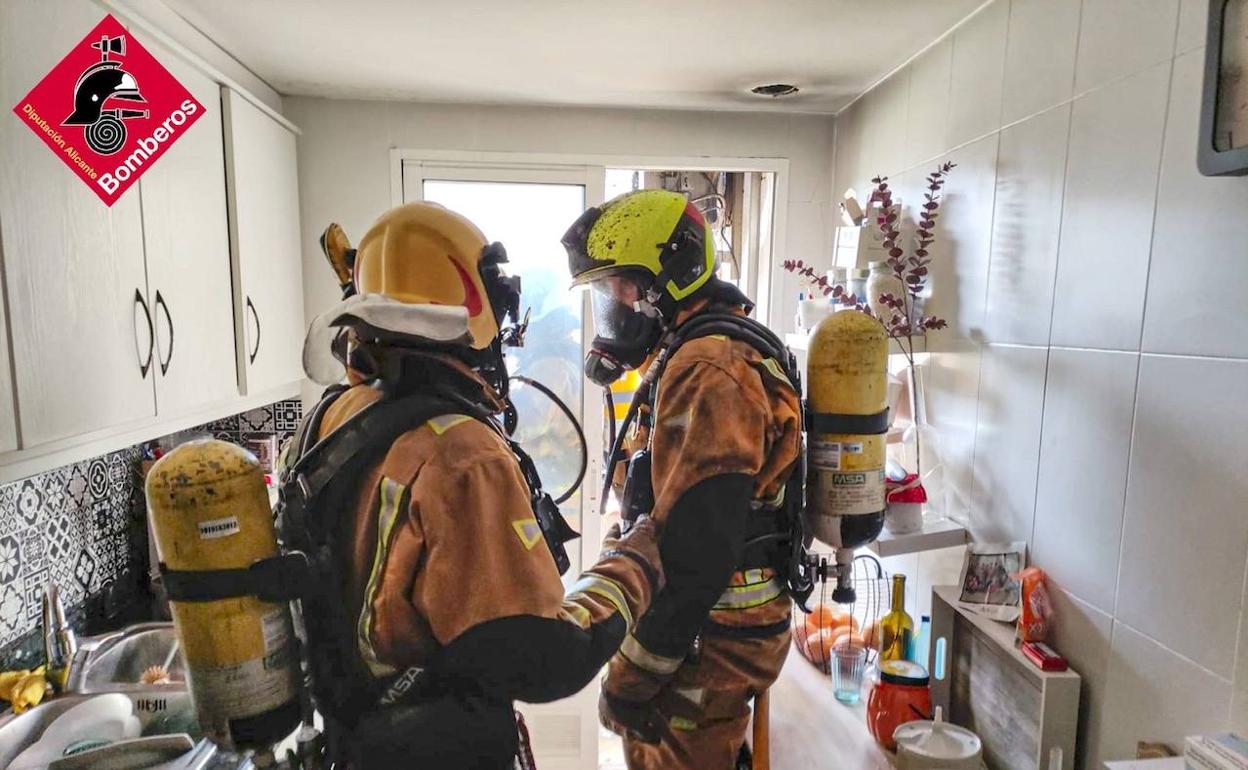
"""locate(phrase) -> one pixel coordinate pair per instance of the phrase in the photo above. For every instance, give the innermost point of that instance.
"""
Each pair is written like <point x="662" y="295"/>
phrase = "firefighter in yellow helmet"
<point x="711" y="458"/>
<point x="437" y="600"/>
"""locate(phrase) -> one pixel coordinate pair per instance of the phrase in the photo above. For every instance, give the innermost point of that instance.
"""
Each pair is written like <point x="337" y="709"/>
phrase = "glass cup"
<point x="848" y="663"/>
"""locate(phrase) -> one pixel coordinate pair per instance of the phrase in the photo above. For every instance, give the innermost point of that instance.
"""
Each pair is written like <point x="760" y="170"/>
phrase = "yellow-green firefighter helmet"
<point x="652" y="231"/>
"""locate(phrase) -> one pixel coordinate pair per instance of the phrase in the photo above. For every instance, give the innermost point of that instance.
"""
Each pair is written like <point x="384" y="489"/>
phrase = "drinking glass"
<point x="848" y="663"/>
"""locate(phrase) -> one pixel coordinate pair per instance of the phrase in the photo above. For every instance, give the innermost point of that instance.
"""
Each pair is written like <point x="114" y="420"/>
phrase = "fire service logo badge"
<point x="109" y="110"/>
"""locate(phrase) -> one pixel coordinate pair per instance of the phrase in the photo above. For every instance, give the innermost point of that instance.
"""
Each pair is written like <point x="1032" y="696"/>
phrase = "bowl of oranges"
<point x="826" y="627"/>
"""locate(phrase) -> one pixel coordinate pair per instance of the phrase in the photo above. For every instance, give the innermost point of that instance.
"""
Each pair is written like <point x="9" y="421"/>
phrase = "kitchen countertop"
<point x="810" y="728"/>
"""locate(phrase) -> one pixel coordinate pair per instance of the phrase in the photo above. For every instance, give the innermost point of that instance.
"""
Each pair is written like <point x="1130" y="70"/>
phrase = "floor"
<point x="809" y="728"/>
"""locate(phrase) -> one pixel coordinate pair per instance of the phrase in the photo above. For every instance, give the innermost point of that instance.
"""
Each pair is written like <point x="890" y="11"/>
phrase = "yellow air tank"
<point x="212" y="522"/>
<point x="847" y="403"/>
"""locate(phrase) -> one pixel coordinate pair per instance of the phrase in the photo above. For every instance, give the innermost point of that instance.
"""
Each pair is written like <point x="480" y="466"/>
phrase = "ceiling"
<point x="689" y="54"/>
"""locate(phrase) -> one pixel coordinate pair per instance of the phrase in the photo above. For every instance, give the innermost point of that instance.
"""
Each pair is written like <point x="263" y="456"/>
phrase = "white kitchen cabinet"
<point x="263" y="191"/>
<point x="78" y="308"/>
<point x="186" y="233"/>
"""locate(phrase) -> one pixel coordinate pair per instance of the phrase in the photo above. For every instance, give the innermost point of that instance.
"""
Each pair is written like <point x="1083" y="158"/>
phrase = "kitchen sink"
<point x="18" y="731"/>
<point x="115" y="662"/>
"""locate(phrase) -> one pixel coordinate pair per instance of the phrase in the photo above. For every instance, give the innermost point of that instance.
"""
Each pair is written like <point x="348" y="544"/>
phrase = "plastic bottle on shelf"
<point x="922" y="642"/>
<point x="882" y="280"/>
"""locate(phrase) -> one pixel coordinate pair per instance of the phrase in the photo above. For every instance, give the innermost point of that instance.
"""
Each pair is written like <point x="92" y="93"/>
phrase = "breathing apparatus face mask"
<point x="627" y="326"/>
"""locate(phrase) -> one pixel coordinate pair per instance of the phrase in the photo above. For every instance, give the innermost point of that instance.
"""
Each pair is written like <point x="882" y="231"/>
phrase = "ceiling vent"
<point x="775" y="90"/>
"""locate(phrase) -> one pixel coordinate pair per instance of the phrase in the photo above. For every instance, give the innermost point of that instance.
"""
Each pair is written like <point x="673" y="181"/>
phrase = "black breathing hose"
<point x="608" y="405"/>
<point x="580" y="434"/>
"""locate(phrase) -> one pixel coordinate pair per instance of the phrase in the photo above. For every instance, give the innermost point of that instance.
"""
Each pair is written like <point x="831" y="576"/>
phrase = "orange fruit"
<point x="843" y="620"/>
<point x="819" y="649"/>
<point x="821" y="616"/>
<point x="852" y="640"/>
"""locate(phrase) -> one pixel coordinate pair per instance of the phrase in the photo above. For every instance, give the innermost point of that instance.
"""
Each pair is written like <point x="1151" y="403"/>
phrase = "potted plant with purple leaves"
<point x="900" y="311"/>
<point x="811" y="310"/>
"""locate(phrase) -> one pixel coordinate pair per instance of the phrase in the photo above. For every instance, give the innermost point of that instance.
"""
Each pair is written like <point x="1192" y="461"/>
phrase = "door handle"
<point x="251" y="357"/>
<point x="162" y="305"/>
<point x="145" y="365"/>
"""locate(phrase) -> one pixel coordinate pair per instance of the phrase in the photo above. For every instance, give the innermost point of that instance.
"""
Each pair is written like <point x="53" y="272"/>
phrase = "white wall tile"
<point x="1193" y="25"/>
<point x="1107" y="214"/>
<point x="812" y="137"/>
<point x="952" y="399"/>
<point x="1040" y="56"/>
<point x="1155" y="695"/>
<point x="1026" y="223"/>
<point x="1081" y="633"/>
<point x="849" y="151"/>
<point x="977" y="70"/>
<point x="927" y="117"/>
<point x="1239" y="691"/>
<point x="888" y="130"/>
<point x="959" y="269"/>
<point x="1185" y="536"/>
<point x="1122" y="37"/>
<point x="1007" y="443"/>
<point x="1198" y="277"/>
<point x="1085" y="446"/>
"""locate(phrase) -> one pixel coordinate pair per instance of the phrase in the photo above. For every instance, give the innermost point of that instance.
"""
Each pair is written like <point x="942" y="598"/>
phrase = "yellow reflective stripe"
<point x="529" y="531"/>
<point x="750" y="595"/>
<point x="392" y="493"/>
<point x="683" y="724"/>
<point x="643" y="658"/>
<point x="608" y="589"/>
<point x="578" y="615"/>
<point x="775" y="370"/>
<point x="445" y="422"/>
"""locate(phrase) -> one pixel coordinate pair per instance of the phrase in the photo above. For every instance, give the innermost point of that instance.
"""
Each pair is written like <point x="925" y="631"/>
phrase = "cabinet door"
<point x="264" y="234"/>
<point x="74" y="268"/>
<point x="187" y="239"/>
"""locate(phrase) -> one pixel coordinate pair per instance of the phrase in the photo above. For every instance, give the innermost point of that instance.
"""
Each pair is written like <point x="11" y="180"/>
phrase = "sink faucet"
<point x="59" y="642"/>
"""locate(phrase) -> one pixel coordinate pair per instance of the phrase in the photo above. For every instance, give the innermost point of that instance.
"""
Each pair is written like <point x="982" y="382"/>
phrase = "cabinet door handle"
<point x="162" y="305"/>
<point x="251" y="357"/>
<point x="145" y="365"/>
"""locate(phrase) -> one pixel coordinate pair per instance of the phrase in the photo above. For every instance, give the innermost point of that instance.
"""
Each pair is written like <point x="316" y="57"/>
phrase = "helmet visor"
<point x="620" y="311"/>
<point x="576" y="242"/>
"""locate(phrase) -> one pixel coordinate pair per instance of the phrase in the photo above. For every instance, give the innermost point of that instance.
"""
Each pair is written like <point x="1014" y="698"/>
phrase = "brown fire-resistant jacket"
<point x="443" y="540"/>
<point x="722" y="408"/>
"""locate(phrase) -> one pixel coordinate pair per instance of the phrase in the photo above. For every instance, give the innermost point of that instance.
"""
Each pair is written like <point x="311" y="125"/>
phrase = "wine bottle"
<point x="897" y="628"/>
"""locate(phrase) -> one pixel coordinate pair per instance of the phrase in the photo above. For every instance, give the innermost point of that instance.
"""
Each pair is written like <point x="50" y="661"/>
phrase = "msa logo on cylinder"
<point x="109" y="110"/>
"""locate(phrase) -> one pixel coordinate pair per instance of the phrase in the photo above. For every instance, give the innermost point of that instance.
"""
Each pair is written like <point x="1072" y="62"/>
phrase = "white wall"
<point x="1090" y="390"/>
<point x="344" y="160"/>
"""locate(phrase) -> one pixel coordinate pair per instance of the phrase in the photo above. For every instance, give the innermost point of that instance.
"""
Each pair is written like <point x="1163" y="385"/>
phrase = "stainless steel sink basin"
<point x="116" y="662"/>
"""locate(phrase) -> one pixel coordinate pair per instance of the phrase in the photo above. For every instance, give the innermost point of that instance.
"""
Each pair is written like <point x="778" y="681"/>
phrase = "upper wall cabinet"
<point x="76" y="287"/>
<point x="186" y="234"/>
<point x="264" y="234"/>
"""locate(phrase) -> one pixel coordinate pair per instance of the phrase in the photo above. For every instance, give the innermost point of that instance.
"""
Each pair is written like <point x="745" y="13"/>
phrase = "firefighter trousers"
<point x="707" y="704"/>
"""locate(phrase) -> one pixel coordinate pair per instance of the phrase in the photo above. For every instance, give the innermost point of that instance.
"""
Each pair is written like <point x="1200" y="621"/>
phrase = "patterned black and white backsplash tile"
<point x="83" y="527"/>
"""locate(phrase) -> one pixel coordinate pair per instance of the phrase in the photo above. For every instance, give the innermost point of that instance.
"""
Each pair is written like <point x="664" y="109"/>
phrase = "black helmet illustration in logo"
<point x="100" y="83"/>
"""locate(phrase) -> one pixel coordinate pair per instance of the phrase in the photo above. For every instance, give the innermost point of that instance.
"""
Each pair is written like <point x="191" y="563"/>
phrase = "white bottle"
<point x="882" y="280"/>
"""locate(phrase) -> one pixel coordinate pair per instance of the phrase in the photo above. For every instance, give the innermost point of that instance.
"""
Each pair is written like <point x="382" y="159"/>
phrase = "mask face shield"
<point x="626" y="328"/>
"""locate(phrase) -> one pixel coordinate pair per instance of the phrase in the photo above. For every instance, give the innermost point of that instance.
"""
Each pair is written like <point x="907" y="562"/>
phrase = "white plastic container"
<point x="937" y="744"/>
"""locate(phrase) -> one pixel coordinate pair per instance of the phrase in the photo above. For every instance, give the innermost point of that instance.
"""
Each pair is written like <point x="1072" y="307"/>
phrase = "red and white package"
<point x="1037" y="609"/>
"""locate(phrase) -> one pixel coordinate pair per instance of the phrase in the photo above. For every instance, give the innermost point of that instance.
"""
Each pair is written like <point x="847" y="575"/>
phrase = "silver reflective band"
<point x="643" y="658"/>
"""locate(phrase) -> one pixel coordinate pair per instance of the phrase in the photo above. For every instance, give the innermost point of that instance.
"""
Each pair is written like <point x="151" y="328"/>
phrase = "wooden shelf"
<point x="943" y="533"/>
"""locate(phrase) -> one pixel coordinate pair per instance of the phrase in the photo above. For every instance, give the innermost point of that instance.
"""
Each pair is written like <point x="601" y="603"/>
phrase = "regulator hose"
<point x="580" y="434"/>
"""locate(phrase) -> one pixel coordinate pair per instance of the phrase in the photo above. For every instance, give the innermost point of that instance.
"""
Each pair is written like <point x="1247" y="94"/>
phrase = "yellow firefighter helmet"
<point x="425" y="254"/>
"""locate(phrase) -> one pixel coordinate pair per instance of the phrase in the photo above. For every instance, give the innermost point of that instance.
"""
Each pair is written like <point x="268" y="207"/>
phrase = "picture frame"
<point x="989" y="584"/>
<point x="1223" y="147"/>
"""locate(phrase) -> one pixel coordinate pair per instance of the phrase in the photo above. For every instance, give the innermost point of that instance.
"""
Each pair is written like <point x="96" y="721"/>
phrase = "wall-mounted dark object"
<point x="1223" y="149"/>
